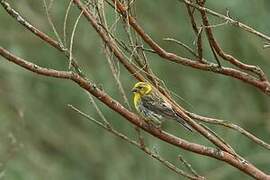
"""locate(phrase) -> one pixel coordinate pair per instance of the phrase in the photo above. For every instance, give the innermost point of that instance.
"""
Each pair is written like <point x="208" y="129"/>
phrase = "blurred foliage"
<point x="41" y="138"/>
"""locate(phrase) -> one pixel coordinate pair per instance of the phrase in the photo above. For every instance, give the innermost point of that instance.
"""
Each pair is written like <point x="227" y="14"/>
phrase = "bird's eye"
<point x="139" y="87"/>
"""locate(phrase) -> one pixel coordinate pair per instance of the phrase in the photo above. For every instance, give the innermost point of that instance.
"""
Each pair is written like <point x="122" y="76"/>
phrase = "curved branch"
<point x="231" y="126"/>
<point x="83" y="83"/>
<point x="107" y="40"/>
<point x="111" y="44"/>
<point x="246" y="167"/>
<point x="264" y="86"/>
<point x="39" y="33"/>
<point x="230" y="20"/>
<point x="216" y="47"/>
<point x="142" y="147"/>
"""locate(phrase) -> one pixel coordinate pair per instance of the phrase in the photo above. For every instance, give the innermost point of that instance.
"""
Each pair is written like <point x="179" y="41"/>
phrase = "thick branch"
<point x="39" y="33"/>
<point x="247" y="168"/>
<point x="145" y="149"/>
<point x="264" y="86"/>
<point x="216" y="47"/>
<point x="212" y="138"/>
<point x="109" y="41"/>
<point x="110" y="102"/>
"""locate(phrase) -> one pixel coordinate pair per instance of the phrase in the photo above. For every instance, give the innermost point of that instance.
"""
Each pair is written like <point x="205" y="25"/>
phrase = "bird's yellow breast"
<point x="137" y="100"/>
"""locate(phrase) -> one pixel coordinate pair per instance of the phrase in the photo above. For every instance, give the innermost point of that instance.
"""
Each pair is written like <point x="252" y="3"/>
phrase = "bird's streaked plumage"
<point x="152" y="105"/>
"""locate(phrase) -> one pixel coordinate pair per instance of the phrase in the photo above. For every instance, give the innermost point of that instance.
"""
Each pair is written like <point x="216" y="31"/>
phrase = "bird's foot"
<point x="158" y="125"/>
<point x="154" y="124"/>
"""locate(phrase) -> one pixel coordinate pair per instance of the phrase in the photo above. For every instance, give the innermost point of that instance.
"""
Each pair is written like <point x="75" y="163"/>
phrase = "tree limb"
<point x="246" y="167"/>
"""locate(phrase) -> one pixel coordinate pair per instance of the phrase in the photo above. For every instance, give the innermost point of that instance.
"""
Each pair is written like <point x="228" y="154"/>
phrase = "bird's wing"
<point x="157" y="105"/>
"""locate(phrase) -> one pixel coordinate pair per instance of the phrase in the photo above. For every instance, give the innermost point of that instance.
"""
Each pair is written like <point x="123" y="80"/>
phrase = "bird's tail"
<point x="183" y="123"/>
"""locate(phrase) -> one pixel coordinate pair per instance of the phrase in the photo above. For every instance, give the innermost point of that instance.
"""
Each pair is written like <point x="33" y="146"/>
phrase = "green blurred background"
<point x="41" y="138"/>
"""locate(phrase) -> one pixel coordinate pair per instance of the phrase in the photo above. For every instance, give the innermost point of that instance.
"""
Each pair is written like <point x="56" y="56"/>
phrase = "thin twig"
<point x="72" y="40"/>
<point x="51" y="22"/>
<point x="216" y="48"/>
<point x="188" y="165"/>
<point x="101" y="115"/>
<point x="20" y="19"/>
<point x="183" y="45"/>
<point x="264" y="86"/>
<point x="134" y="54"/>
<point x="197" y="31"/>
<point x="109" y="55"/>
<point x="229" y="20"/>
<point x="231" y="126"/>
<point x="138" y="145"/>
<point x="65" y="23"/>
<point x="117" y="79"/>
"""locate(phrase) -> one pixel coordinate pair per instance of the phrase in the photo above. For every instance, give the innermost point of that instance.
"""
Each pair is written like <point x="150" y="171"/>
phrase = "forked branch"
<point x="246" y="167"/>
<point x="224" y="152"/>
<point x="262" y="83"/>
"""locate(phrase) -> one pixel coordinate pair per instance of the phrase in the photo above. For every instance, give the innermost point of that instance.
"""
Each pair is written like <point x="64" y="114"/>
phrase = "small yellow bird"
<point x="152" y="105"/>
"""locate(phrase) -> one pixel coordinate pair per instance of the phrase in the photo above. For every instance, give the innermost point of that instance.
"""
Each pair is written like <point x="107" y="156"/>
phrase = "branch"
<point x="109" y="41"/>
<point x="231" y="126"/>
<point x="184" y="46"/>
<point x="132" y="69"/>
<point x="112" y="46"/>
<point x="140" y="146"/>
<point x="216" y="48"/>
<point x="264" y="86"/>
<point x="247" y="168"/>
<point x="229" y="20"/>
<point x="40" y="34"/>
<point x="197" y="32"/>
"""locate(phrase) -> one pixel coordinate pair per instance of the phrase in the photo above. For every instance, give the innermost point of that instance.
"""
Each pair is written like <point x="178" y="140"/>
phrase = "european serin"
<point x="152" y="105"/>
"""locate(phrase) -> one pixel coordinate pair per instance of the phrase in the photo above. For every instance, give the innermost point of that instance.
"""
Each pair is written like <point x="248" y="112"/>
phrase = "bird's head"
<point x="142" y="88"/>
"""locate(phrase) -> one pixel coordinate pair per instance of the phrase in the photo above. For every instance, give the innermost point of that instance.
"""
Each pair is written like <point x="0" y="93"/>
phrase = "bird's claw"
<point x="154" y="124"/>
<point x="158" y="125"/>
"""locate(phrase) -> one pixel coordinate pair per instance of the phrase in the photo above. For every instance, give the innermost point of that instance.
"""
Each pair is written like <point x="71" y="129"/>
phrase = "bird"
<point x="153" y="106"/>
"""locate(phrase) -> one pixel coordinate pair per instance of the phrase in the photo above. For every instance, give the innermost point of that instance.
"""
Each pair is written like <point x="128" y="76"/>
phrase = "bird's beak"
<point x="134" y="90"/>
